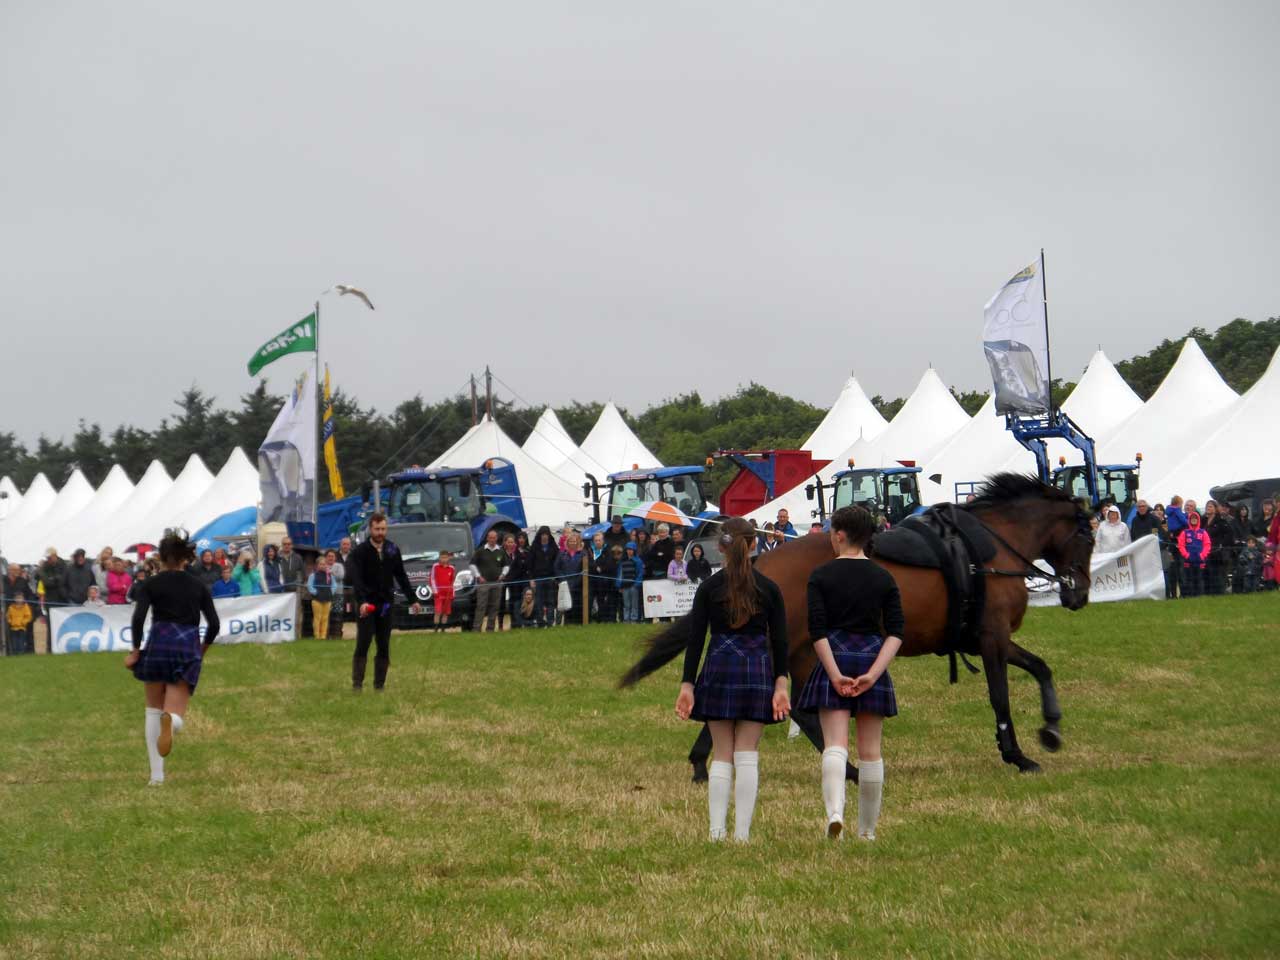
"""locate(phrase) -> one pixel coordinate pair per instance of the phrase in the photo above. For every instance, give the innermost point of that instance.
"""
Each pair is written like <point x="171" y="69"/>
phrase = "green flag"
<point x="298" y="338"/>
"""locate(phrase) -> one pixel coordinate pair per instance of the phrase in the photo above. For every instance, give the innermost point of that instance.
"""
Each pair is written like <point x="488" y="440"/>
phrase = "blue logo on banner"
<point x="83" y="632"/>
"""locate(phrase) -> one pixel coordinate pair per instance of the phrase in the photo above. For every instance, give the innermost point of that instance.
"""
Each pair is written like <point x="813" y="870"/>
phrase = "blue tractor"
<point x="1100" y="484"/>
<point x="681" y="487"/>
<point x="893" y="492"/>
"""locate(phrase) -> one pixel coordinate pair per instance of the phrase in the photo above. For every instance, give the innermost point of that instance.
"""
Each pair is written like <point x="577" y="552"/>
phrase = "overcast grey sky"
<point x="615" y="200"/>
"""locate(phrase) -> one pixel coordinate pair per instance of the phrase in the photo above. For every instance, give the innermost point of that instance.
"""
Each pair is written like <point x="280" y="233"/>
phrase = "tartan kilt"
<point x="854" y="654"/>
<point x="737" y="681"/>
<point x="172" y="653"/>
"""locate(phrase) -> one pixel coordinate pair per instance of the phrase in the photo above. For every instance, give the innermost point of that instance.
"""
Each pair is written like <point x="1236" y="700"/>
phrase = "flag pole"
<point x="1048" y="353"/>
<point x="315" y="510"/>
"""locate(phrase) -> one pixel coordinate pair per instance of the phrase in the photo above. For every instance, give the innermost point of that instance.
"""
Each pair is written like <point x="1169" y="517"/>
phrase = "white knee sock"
<point x="177" y="722"/>
<point x="870" y="790"/>
<point x="719" y="783"/>
<point x="746" y="769"/>
<point x="834" y="761"/>
<point x="151" y="733"/>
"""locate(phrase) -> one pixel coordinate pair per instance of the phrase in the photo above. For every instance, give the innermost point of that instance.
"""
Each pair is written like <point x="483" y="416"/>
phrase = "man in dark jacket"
<point x="79" y="578"/>
<point x="52" y="575"/>
<point x="487" y="564"/>
<point x="1145" y="523"/>
<point x="616" y="535"/>
<point x="661" y="552"/>
<point x="542" y="564"/>
<point x="372" y="570"/>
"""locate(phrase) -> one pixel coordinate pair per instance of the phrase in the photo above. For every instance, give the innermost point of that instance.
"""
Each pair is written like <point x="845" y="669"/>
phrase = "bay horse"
<point x="1028" y="520"/>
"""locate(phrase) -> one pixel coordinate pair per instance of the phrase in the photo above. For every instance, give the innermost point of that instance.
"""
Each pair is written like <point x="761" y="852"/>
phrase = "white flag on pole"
<point x="287" y="459"/>
<point x="1016" y="340"/>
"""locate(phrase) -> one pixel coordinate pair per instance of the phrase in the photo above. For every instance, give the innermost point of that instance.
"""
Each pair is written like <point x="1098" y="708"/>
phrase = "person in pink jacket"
<point x="1193" y="544"/>
<point x="118" y="582"/>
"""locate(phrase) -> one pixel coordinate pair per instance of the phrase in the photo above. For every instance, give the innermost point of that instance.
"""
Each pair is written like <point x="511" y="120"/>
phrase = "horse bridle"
<point x="1065" y="581"/>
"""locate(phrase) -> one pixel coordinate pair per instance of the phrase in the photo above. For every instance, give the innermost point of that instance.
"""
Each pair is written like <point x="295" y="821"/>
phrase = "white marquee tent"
<point x="851" y="418"/>
<point x="972" y="454"/>
<point x="13" y="496"/>
<point x="550" y="444"/>
<point x="235" y="487"/>
<point x="29" y="544"/>
<point x="1187" y="406"/>
<point x="548" y="498"/>
<point x="177" y="507"/>
<point x="613" y="445"/>
<point x="927" y="421"/>
<point x="1241" y="447"/>
<point x="37" y="499"/>
<point x="114" y="490"/>
<point x="114" y="529"/>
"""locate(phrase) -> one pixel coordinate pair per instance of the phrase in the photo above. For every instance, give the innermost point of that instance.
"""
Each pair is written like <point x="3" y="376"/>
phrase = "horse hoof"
<point x="699" y="773"/>
<point x="1027" y="766"/>
<point x="1050" y="739"/>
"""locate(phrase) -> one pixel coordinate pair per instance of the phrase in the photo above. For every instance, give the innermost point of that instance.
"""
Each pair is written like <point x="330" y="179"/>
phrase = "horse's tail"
<point x="660" y="649"/>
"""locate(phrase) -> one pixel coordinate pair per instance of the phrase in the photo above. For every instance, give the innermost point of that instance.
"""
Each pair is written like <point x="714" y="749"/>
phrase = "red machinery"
<point x="764" y="475"/>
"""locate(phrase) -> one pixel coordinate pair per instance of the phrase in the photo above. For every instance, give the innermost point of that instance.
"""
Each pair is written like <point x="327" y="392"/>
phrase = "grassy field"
<point x="502" y="799"/>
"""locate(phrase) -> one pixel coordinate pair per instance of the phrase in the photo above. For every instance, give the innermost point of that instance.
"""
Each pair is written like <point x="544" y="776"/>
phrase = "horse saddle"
<point x="955" y="543"/>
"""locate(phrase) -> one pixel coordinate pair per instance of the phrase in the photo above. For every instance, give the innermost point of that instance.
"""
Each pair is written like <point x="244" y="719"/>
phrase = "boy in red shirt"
<point x="442" y="574"/>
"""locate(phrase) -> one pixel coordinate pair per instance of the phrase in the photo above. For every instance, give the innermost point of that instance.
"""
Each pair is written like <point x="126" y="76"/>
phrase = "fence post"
<point x="586" y="588"/>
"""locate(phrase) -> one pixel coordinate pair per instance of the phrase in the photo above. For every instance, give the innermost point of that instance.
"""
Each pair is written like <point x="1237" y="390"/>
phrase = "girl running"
<point x="856" y="623"/>
<point x="743" y="684"/>
<point x="170" y="664"/>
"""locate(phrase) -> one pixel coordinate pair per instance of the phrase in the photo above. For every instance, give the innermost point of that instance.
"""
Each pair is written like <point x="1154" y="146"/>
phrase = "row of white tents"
<point x="1194" y="432"/>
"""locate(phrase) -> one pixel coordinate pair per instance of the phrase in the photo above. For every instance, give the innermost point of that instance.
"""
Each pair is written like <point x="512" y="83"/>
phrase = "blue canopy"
<point x="236" y="523"/>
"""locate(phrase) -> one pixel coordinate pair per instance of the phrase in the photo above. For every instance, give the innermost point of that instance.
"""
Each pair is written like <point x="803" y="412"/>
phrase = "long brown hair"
<point x="736" y="539"/>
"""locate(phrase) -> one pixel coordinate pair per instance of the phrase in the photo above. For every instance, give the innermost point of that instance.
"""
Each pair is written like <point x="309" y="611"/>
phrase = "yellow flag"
<point x="330" y="447"/>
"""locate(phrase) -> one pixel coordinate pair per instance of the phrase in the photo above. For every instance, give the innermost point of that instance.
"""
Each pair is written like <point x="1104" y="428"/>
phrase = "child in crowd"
<point x="630" y="581"/>
<point x="1194" y="545"/>
<point x="677" y="571"/>
<point x="19" y="617"/>
<point x="225" y="586"/>
<point x="320" y="586"/>
<point x="1249" y="566"/>
<point x="94" y="598"/>
<point x="528" y="608"/>
<point x="442" y="574"/>
<point x="698" y="567"/>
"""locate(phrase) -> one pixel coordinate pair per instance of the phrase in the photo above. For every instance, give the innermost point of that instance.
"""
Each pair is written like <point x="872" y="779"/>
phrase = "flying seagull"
<point x="343" y="289"/>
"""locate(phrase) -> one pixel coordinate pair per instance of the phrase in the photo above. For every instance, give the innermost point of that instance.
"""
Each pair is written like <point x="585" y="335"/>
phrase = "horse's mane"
<point x="1005" y="489"/>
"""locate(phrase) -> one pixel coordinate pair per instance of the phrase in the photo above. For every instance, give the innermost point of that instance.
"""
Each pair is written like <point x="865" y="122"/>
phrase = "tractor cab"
<point x="678" y="487"/>
<point x="1116" y="483"/>
<point x="483" y="498"/>
<point x="891" y="491"/>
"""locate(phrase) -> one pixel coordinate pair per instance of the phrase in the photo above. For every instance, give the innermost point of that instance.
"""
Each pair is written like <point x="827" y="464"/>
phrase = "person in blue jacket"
<point x="224" y="586"/>
<point x="630" y="581"/>
<point x="1175" y="519"/>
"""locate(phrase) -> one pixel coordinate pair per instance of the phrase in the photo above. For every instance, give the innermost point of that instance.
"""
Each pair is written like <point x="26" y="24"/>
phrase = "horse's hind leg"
<point x="997" y="673"/>
<point x="811" y="726"/>
<point x="1050" y="735"/>
<point x="699" y="753"/>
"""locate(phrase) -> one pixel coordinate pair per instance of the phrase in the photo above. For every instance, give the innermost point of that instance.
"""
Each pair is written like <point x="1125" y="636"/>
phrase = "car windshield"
<point x="418" y="541"/>
<point x="455" y="500"/>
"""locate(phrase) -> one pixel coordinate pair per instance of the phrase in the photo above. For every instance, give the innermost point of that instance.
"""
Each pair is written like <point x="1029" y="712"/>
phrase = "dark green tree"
<point x="92" y="454"/>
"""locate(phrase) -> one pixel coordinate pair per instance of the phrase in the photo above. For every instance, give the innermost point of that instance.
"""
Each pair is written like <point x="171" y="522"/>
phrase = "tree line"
<point x="680" y="430"/>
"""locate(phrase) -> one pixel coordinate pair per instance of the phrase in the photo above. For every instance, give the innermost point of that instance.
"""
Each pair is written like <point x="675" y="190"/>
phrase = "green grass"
<point x="502" y="798"/>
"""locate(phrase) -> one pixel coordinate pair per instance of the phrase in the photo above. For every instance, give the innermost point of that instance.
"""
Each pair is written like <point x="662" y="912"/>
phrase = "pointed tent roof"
<point x="29" y="544"/>
<point x="112" y="529"/>
<point x="114" y="490"/>
<point x="548" y="498"/>
<point x="236" y="486"/>
<point x="38" y="498"/>
<point x="550" y="444"/>
<point x="927" y="421"/>
<point x="174" y="509"/>
<point x="1235" y="451"/>
<point x="971" y="455"/>
<point x="613" y="445"/>
<point x="851" y="418"/>
<point x="14" y="495"/>
<point x="1188" y="404"/>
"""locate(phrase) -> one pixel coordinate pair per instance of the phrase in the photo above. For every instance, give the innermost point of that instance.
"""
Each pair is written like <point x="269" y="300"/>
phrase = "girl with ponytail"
<point x="743" y="683"/>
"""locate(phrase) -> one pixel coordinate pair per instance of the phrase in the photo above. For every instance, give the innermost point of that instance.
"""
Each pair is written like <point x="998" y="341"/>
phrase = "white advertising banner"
<point x="666" y="598"/>
<point x="270" y="618"/>
<point x="1133" y="573"/>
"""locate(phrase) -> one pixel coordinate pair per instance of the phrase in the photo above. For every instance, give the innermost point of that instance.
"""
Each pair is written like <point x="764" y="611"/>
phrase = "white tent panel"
<point x="236" y="486"/>
<point x="550" y="444"/>
<point x="30" y="544"/>
<point x="36" y="501"/>
<point x="1239" y="449"/>
<point x="548" y="498"/>
<point x="973" y="454"/>
<point x="112" y="528"/>
<point x="12" y="496"/>
<point x="851" y="418"/>
<point x="1187" y="406"/>
<point x="114" y="490"/>
<point x="175" y="508"/>
<point x="613" y="445"/>
<point x="927" y="421"/>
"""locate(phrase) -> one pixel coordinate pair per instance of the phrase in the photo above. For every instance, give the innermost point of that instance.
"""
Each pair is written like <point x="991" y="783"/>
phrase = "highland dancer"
<point x="372" y="569"/>
<point x="170" y="663"/>
<point x="743" y="684"/>
<point x="856" y="623"/>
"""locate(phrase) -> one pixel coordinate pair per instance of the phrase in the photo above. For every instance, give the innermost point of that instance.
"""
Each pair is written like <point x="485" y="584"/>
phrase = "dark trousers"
<point x="1215" y="576"/>
<point x="1192" y="579"/>
<point x="609" y="603"/>
<point x="545" y="601"/>
<point x="375" y="628"/>
<point x="1173" y="577"/>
